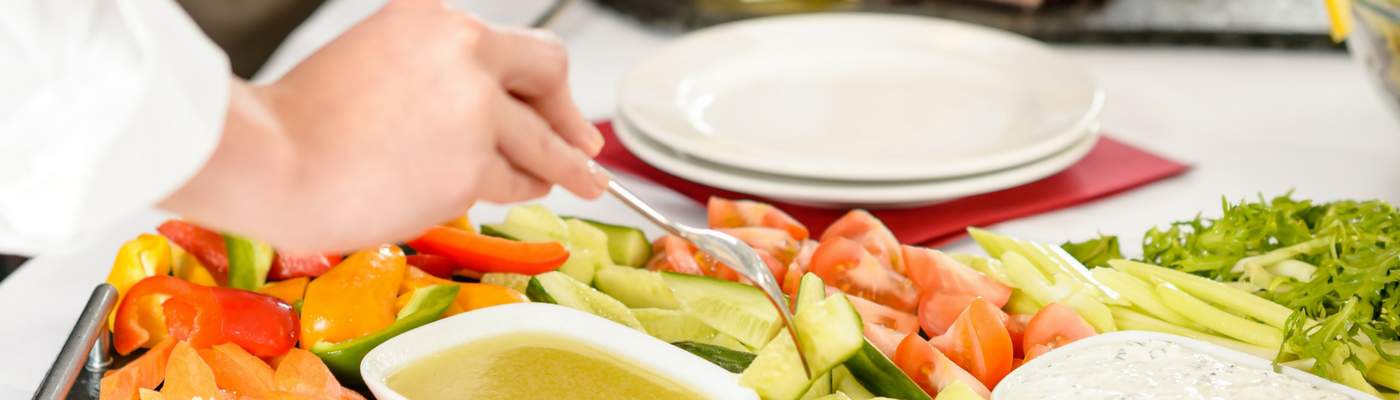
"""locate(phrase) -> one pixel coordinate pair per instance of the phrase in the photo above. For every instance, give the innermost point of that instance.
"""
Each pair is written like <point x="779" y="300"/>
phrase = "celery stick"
<point x="1141" y="294"/>
<point x="1218" y="320"/>
<point x="1050" y="260"/>
<point x="986" y="265"/>
<point x="1386" y="374"/>
<point x="1093" y="311"/>
<point x="990" y="242"/>
<point x="1220" y="294"/>
<point x="1131" y="320"/>
<point x="1020" y="303"/>
<point x="1034" y="284"/>
<point x="1027" y="279"/>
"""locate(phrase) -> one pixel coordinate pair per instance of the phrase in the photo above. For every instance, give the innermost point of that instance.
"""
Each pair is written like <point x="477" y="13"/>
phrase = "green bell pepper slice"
<point x="426" y="305"/>
<point x="248" y="262"/>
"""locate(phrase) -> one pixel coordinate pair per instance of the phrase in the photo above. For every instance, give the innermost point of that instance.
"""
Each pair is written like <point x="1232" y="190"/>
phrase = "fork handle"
<point x="616" y="189"/>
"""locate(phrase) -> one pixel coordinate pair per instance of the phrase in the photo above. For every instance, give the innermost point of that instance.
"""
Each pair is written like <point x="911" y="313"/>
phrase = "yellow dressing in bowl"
<point x="530" y="366"/>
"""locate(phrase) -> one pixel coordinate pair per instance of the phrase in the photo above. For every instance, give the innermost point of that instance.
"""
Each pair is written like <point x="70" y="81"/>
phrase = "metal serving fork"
<point x="724" y="248"/>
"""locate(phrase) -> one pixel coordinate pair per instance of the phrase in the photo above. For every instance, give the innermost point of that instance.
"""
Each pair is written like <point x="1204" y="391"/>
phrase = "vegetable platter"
<point x="217" y="315"/>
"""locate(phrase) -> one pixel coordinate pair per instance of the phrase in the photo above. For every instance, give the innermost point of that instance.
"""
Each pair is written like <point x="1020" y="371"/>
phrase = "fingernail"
<point x="597" y="141"/>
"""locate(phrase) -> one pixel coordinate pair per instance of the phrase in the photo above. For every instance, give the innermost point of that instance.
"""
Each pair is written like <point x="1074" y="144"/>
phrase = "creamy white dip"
<point x="1151" y="369"/>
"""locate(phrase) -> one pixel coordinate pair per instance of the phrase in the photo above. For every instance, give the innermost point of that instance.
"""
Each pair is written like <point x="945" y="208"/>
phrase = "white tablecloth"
<point x="1249" y="121"/>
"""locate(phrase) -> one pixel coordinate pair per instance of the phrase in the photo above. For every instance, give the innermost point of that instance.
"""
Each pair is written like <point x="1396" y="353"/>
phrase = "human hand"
<point x="400" y="123"/>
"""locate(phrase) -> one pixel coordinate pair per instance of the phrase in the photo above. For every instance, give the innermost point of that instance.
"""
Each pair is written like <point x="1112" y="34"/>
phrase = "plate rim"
<point x="903" y="194"/>
<point x="1072" y="134"/>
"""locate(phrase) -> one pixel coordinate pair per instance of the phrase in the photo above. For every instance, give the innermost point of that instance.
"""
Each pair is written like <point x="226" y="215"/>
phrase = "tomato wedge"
<point x="1053" y="326"/>
<point x="671" y="253"/>
<point x="1016" y="326"/>
<point x="936" y="272"/>
<point x="863" y="228"/>
<point x="885" y="339"/>
<point x="932" y="370"/>
<point x="846" y="265"/>
<point x="775" y="242"/>
<point x="798" y="267"/>
<point x="725" y="213"/>
<point x="491" y="254"/>
<point x="978" y="341"/>
<point x="872" y="312"/>
<point x="938" y="310"/>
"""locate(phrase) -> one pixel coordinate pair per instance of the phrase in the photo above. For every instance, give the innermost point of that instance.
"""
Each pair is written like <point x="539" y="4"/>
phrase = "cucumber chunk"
<point x="820" y="389"/>
<point x="675" y="326"/>
<point x="734" y="309"/>
<point x="515" y="233"/>
<point x="626" y="245"/>
<point x="810" y="291"/>
<point x="835" y="396"/>
<point x="776" y="373"/>
<point x="558" y="288"/>
<point x="958" y="391"/>
<point x="843" y="382"/>
<point x="519" y="282"/>
<point x="733" y="361"/>
<point x="536" y="218"/>
<point x="877" y="373"/>
<point x="831" y="332"/>
<point x="729" y="342"/>
<point x="637" y="288"/>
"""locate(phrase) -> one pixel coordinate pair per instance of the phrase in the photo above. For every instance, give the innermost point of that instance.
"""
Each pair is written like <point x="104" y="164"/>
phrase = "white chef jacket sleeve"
<point x="106" y="108"/>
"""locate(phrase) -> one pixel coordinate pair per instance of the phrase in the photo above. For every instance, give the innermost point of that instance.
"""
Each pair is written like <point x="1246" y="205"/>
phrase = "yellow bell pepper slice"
<point x="145" y="256"/>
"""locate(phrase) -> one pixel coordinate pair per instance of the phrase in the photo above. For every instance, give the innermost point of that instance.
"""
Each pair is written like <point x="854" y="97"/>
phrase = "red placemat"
<point x="1111" y="167"/>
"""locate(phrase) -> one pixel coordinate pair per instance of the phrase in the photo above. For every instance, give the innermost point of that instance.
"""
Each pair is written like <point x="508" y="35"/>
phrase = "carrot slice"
<point x="239" y="371"/>
<point x="148" y="394"/>
<point x="187" y="376"/>
<point x="301" y="373"/>
<point x="145" y="372"/>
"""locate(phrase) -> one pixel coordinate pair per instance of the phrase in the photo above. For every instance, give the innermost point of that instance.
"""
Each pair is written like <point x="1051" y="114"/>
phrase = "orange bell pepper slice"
<point x="187" y="376"/>
<point x="146" y="372"/>
<point x="289" y="290"/>
<point x="353" y="299"/>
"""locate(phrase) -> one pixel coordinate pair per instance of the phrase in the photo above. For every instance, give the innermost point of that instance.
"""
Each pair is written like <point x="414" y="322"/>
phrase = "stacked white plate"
<point x="858" y="110"/>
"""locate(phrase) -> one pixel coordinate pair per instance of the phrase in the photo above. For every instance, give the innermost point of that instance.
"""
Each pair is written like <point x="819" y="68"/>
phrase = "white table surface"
<point x="1249" y="121"/>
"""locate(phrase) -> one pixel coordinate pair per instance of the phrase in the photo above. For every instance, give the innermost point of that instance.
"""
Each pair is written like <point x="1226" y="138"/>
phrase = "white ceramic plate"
<point x="1219" y="352"/>
<point x="846" y="194"/>
<point x="861" y="97"/>
<point x="642" y="350"/>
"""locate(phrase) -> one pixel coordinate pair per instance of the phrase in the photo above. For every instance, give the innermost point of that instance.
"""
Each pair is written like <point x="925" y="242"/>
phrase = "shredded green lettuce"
<point x="1350" y="249"/>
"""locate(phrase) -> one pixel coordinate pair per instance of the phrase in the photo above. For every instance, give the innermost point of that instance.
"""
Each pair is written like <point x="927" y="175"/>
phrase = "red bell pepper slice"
<point x="491" y="254"/>
<point x="206" y="316"/>
<point x="433" y="264"/>
<point x="287" y="266"/>
<point x="206" y="245"/>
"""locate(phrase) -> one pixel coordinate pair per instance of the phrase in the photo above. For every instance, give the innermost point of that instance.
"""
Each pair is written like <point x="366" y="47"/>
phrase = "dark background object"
<point x="249" y="30"/>
<point x="1289" y="24"/>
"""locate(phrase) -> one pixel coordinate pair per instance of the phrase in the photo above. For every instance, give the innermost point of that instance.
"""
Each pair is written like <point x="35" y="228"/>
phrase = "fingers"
<point x="533" y="66"/>
<point x="529" y="144"/>
<point x="502" y="183"/>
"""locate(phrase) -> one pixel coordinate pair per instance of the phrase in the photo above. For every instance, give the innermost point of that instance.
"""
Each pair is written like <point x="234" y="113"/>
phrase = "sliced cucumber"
<point x="830" y="332"/>
<point x="958" y="391"/>
<point x="675" y="326"/>
<point x="876" y="372"/>
<point x="835" y="396"/>
<point x="843" y="382"/>
<point x="777" y="373"/>
<point x="735" y="309"/>
<point x="811" y="291"/>
<point x="537" y="218"/>
<point x="555" y="287"/>
<point x="626" y="245"/>
<point x="515" y="233"/>
<point x="820" y="389"/>
<point x="733" y="361"/>
<point x="729" y="342"/>
<point x="637" y="288"/>
<point x="519" y="282"/>
<point x="588" y="251"/>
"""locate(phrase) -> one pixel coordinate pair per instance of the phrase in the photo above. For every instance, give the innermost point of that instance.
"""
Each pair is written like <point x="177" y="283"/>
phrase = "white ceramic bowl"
<point x="1224" y="354"/>
<point x="644" y="351"/>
